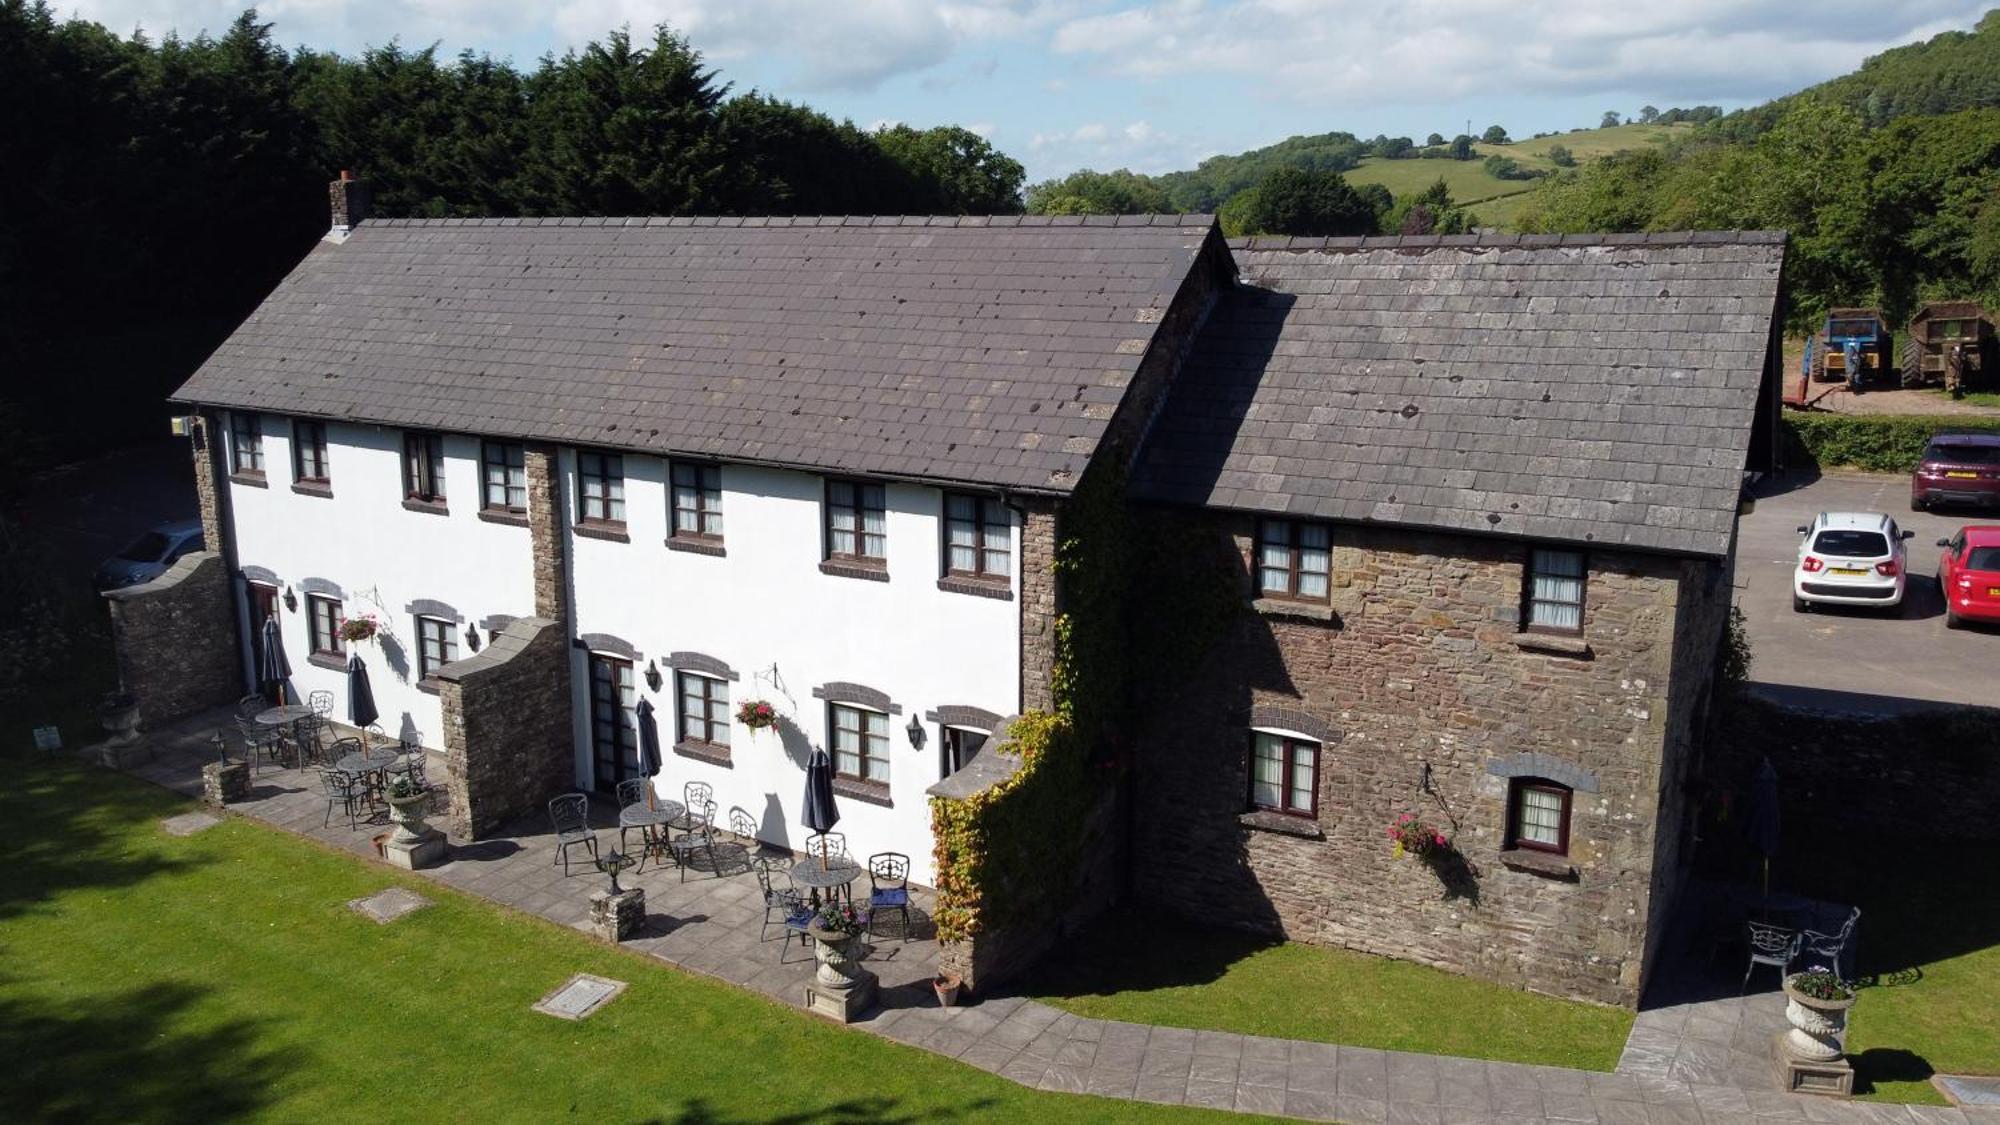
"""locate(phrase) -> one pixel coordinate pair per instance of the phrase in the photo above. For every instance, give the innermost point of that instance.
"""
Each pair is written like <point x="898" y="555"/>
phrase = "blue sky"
<point x="1064" y="84"/>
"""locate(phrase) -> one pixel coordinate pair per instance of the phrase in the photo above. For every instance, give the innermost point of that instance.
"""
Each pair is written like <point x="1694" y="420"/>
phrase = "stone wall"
<point x="507" y="736"/>
<point x="1419" y="669"/>
<point x="206" y="442"/>
<point x="1038" y="603"/>
<point x="545" y="532"/>
<point x="175" y="639"/>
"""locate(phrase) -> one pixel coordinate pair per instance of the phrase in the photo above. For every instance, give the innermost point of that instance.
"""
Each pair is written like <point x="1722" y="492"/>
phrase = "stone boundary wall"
<point x="507" y="739"/>
<point x="175" y="639"/>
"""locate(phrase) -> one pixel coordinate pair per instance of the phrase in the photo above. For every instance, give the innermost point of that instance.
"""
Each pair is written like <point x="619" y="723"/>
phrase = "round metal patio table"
<point x="289" y="715"/>
<point x="650" y="822"/>
<point x="835" y="876"/>
<point x="368" y="761"/>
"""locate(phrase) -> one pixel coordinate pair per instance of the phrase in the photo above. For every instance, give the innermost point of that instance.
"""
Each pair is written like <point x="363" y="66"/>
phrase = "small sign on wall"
<point x="48" y="738"/>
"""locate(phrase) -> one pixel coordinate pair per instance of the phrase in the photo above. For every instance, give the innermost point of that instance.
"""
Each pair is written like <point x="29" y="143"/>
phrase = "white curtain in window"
<point x="1267" y="771"/>
<point x="1557" y="590"/>
<point x="1541" y="817"/>
<point x="1303" y="755"/>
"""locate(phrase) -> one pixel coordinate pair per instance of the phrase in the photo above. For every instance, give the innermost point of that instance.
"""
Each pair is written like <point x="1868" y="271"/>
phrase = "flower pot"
<point x="1819" y="1027"/>
<point x="120" y="716"/>
<point x="947" y="986"/>
<point x="408" y="815"/>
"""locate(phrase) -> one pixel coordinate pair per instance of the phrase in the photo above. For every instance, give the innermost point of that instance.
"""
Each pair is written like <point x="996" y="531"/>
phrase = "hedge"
<point x="1879" y="443"/>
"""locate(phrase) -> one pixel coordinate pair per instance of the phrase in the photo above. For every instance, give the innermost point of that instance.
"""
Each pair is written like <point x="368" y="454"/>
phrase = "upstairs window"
<point x="423" y="468"/>
<point x="1293" y="560"/>
<point x="857" y="522"/>
<point x="1554" y="594"/>
<point x="697" y="501"/>
<point x="704" y="709"/>
<point x="323" y="625"/>
<point x="437" y="645"/>
<point x="978" y="537"/>
<point x="860" y="743"/>
<point x="505" y="477"/>
<point x="246" y="443"/>
<point x="309" y="452"/>
<point x="600" y="487"/>
<point x="1284" y="773"/>
<point x="1538" y="815"/>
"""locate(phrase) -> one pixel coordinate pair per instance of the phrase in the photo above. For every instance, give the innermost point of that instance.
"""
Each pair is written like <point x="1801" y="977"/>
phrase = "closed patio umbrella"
<point x="272" y="667"/>
<point x="821" y="814"/>
<point x="1763" y="825"/>
<point x="360" y="697"/>
<point x="649" y="746"/>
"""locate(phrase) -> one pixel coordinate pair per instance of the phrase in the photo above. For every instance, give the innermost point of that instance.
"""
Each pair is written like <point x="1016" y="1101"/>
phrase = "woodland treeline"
<point x="154" y="191"/>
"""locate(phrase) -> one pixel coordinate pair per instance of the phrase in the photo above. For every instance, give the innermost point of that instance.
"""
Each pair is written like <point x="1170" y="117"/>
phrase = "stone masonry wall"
<point x="206" y="440"/>
<point x="1417" y="665"/>
<point x="175" y="639"/>
<point x="1038" y="603"/>
<point x="507" y="738"/>
<point x="545" y="533"/>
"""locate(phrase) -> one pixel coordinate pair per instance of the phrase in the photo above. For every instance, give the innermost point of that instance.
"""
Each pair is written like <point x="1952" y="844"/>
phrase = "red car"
<point x="1957" y="469"/>
<point x="1969" y="575"/>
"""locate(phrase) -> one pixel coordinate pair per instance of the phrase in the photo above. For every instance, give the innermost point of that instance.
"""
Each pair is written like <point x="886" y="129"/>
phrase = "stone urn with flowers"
<point x="1816" y="1007"/>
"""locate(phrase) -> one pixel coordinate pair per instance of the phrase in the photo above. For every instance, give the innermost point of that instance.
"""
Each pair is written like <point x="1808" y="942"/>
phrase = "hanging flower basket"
<point x="360" y="627"/>
<point x="1412" y="836"/>
<point x="757" y="714"/>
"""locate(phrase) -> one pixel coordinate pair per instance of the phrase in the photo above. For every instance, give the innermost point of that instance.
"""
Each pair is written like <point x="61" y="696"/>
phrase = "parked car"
<point x="1850" y="558"/>
<point x="1957" y="469"/>
<point x="149" y="556"/>
<point x="1969" y="575"/>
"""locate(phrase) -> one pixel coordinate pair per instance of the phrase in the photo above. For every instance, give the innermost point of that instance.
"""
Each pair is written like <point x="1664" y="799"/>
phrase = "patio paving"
<point x="1695" y="1062"/>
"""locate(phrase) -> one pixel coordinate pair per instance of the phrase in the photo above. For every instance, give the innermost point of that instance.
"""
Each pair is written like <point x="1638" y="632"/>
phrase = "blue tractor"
<point x="1853" y="347"/>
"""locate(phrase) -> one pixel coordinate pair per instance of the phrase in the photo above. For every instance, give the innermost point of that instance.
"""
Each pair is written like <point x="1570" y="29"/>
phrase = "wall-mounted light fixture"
<point x="291" y="601"/>
<point x="652" y="675"/>
<point x="916" y="733"/>
<point x="472" y="637"/>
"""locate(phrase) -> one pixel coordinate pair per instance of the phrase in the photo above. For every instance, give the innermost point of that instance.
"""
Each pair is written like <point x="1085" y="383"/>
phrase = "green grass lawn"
<point x="221" y="976"/>
<point x="1134" y="969"/>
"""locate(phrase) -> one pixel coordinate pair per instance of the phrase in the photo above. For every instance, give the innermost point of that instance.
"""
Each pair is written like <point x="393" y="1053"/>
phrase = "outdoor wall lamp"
<point x="653" y="675"/>
<point x="472" y="637"/>
<point x="291" y="601"/>
<point x="916" y="733"/>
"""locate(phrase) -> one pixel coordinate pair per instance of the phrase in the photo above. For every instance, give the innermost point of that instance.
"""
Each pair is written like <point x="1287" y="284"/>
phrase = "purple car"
<point x="1957" y="469"/>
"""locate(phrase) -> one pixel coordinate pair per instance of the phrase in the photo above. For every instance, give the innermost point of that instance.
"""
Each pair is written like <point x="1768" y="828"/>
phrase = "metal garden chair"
<point x="1775" y="946"/>
<point x="569" y="814"/>
<point x="343" y="790"/>
<point x="781" y="905"/>
<point x="889" y="888"/>
<point x="1817" y="950"/>
<point x="699" y="836"/>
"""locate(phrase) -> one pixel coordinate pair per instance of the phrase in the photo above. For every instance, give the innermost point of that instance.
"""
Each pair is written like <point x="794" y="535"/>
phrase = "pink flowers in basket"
<point x="360" y="627"/>
<point x="1412" y="836"/>
<point x="756" y="714"/>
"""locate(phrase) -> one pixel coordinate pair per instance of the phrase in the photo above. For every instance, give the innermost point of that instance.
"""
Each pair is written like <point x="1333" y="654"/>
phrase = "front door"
<point x="613" y="730"/>
<point x="263" y="607"/>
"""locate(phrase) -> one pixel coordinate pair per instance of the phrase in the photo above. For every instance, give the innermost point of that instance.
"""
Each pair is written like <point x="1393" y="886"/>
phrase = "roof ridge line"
<point x="1144" y="220"/>
<point x="1498" y="240"/>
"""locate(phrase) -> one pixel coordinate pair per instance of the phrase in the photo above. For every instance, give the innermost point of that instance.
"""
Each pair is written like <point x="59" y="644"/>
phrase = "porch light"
<point x="472" y="637"/>
<point x="291" y="601"/>
<point x="652" y="675"/>
<point x="916" y="733"/>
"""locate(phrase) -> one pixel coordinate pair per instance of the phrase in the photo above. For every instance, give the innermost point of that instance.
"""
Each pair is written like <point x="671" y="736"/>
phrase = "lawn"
<point x="148" y="978"/>
<point x="1134" y="969"/>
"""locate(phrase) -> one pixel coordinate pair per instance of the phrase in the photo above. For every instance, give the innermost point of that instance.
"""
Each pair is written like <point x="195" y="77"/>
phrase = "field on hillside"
<point x="1498" y="202"/>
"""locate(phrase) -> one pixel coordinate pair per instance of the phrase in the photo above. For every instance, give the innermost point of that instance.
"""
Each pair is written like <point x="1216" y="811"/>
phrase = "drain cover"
<point x="187" y="824"/>
<point x="389" y="905"/>
<point x="581" y="995"/>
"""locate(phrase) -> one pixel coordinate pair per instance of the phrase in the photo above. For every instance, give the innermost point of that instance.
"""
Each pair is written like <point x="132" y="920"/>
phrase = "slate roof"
<point x="990" y="350"/>
<point x="1593" y="390"/>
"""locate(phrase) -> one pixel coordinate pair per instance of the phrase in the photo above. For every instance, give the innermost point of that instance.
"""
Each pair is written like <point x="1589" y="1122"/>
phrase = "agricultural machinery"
<point x="1853" y="347"/>
<point x="1950" y="344"/>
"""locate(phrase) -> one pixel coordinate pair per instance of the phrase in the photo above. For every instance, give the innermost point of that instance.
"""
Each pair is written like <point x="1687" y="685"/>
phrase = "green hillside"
<point x="1497" y="201"/>
<point x="1950" y="72"/>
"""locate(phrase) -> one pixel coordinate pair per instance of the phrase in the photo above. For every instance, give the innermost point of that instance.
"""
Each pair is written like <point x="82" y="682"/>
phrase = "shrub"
<point x="1880" y="443"/>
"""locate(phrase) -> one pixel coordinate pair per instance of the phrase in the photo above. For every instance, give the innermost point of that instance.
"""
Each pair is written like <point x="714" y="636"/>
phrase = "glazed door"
<point x="263" y="607"/>
<point x="613" y="729"/>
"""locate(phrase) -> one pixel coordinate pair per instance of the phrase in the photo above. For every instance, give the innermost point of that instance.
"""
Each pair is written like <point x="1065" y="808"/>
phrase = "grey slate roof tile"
<point x="830" y="342"/>
<point x="1590" y="389"/>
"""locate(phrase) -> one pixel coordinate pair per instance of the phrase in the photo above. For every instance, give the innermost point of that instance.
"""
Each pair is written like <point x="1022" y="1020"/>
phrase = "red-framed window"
<point x="1284" y="773"/>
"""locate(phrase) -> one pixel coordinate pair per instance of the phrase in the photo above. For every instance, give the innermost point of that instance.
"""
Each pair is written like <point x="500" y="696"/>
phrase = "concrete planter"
<point x="120" y="717"/>
<point x="1819" y="1027"/>
<point x="408" y="815"/>
<point x="841" y="989"/>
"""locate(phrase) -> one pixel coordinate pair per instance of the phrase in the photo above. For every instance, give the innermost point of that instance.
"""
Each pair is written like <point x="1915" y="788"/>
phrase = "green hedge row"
<point x="1879" y="443"/>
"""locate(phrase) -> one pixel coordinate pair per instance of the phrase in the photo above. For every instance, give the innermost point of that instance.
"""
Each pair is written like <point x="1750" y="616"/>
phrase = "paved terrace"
<point x="1687" y="1064"/>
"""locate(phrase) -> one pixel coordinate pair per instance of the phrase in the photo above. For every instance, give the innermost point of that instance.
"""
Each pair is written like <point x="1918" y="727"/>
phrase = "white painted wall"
<point x="381" y="555"/>
<point x="767" y="606"/>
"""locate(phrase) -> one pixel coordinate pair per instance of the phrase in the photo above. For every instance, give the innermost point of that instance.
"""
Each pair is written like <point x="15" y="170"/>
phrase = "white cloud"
<point x="1137" y="145"/>
<point x="1353" y="52"/>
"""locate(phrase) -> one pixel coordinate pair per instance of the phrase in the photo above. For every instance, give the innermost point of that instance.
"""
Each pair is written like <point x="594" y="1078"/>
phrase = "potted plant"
<point x="757" y="714"/>
<point x="947" y="985"/>
<point x="1412" y="836"/>
<point x="1817" y="1004"/>
<point x="119" y="713"/>
<point x="360" y="628"/>
<point x="406" y="807"/>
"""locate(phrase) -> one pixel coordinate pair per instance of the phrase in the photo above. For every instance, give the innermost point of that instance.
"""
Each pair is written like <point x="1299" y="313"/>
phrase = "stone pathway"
<point x="709" y="924"/>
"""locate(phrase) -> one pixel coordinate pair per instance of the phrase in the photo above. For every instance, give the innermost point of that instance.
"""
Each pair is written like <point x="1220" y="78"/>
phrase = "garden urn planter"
<point x="120" y="716"/>
<point x="840" y="988"/>
<point x="408" y="815"/>
<point x="834" y="951"/>
<point x="1819" y="1027"/>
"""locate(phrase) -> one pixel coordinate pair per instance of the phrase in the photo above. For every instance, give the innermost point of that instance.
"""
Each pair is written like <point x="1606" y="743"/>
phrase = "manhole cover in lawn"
<point x="1966" y="1090"/>
<point x="581" y="995"/>
<point x="187" y="824"/>
<point x="389" y="905"/>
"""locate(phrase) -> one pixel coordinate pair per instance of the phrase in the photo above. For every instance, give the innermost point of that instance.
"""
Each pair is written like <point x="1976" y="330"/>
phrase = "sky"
<point x="1156" y="86"/>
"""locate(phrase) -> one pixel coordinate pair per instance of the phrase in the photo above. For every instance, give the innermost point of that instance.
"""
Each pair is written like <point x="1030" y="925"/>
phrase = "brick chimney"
<point x="349" y="199"/>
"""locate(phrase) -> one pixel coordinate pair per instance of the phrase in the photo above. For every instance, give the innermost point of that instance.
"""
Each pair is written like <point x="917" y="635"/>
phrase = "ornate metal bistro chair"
<point x="889" y="888"/>
<point x="1829" y="951"/>
<point x="345" y="792"/>
<point x="1775" y="946"/>
<point x="699" y="836"/>
<point x="782" y="905"/>
<point x="569" y="815"/>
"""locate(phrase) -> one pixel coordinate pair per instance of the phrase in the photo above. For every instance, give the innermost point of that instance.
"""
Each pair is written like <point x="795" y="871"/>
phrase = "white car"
<point x="1850" y="558"/>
